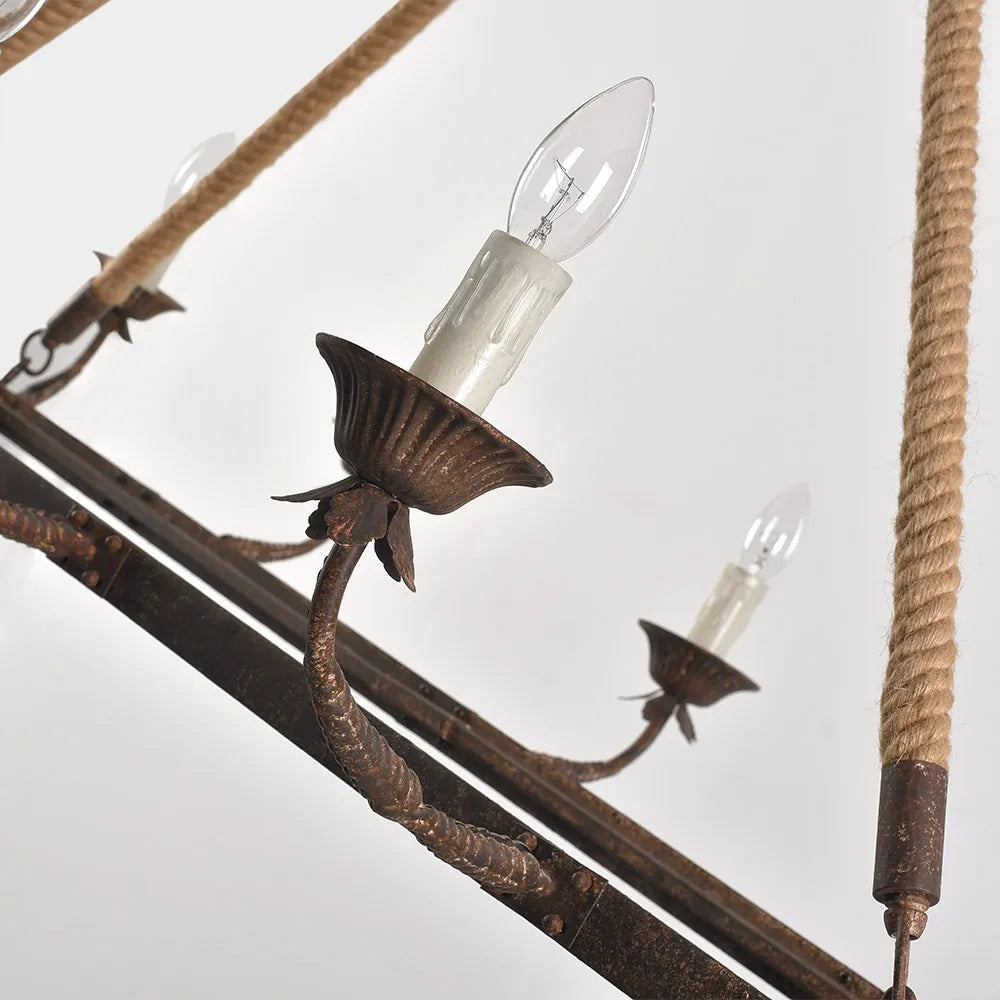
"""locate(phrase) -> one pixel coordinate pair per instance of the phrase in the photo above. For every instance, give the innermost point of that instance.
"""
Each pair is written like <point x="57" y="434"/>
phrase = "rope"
<point x="55" y="17"/>
<point x="258" y="151"/>
<point x="917" y="694"/>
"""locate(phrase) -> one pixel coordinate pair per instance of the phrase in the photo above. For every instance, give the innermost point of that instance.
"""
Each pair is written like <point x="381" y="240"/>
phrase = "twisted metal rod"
<point x="378" y="772"/>
<point x="917" y="694"/>
<point x="294" y="119"/>
<point x="49" y="533"/>
<point x="580" y="771"/>
<point x="55" y="17"/>
<point x="260" y="551"/>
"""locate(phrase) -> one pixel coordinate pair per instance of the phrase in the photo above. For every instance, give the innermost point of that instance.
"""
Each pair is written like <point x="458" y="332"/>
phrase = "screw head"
<point x="114" y="543"/>
<point x="582" y="881"/>
<point x="91" y="578"/>
<point x="552" y="924"/>
<point x="529" y="840"/>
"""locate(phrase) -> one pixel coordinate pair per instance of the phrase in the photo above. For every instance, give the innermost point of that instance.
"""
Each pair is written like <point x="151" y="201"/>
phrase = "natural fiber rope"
<point x="918" y="691"/>
<point x="50" y="22"/>
<point x="307" y="108"/>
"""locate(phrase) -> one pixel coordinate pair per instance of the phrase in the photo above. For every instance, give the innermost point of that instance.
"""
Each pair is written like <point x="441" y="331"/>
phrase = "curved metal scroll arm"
<point x="263" y="552"/>
<point x="580" y="771"/>
<point x="378" y="772"/>
<point x="53" y="535"/>
<point x="408" y="445"/>
<point x="687" y="675"/>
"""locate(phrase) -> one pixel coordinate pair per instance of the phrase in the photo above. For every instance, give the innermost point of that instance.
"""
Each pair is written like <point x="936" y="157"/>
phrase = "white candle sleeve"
<point x="729" y="608"/>
<point x="476" y="342"/>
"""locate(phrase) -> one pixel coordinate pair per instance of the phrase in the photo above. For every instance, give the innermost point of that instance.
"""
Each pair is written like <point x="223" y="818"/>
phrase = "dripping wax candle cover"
<point x="572" y="186"/>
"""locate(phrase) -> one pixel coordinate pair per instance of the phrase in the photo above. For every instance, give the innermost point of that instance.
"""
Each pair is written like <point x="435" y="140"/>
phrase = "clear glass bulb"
<point x="775" y="533"/>
<point x="203" y="159"/>
<point x="15" y="14"/>
<point x="583" y="171"/>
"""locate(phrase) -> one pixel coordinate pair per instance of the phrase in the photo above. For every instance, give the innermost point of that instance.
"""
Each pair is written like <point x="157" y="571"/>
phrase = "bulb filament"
<point x="569" y="193"/>
<point x="758" y="563"/>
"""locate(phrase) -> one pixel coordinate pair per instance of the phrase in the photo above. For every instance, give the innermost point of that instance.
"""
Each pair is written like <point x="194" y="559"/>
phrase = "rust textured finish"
<point x="756" y="939"/>
<point x="581" y="770"/>
<point x="379" y="773"/>
<point x="909" y="850"/>
<point x="75" y="316"/>
<point x="688" y="675"/>
<point x="253" y="671"/>
<point x="910" y="841"/>
<point x="141" y="304"/>
<point x="53" y="535"/>
<point x="258" y="551"/>
<point x="407" y="444"/>
<point x="45" y="389"/>
<point x="86" y="308"/>
<point x="78" y="315"/>
<point x="395" y="431"/>
<point x="353" y="512"/>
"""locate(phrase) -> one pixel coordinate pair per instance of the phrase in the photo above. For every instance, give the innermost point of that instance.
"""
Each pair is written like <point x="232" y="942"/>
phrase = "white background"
<point x="741" y="326"/>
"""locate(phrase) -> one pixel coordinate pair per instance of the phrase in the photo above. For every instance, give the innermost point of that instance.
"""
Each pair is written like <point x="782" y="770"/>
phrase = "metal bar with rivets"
<point x="593" y="921"/>
<point x="752" y="936"/>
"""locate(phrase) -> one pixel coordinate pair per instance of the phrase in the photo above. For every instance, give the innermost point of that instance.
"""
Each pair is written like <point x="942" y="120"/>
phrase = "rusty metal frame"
<point x="750" y="935"/>
<point x="593" y="921"/>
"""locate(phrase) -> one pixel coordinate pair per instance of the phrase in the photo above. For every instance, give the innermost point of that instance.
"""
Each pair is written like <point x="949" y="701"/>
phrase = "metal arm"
<point x="579" y="770"/>
<point x="260" y="551"/>
<point x="380" y="774"/>
<point x="50" y="534"/>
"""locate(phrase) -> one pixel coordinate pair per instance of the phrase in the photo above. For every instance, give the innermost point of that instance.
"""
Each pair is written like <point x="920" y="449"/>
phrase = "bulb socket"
<point x="75" y="317"/>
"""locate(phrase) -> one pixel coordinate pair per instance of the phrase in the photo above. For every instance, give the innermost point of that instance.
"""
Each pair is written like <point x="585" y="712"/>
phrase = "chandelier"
<point x="416" y="440"/>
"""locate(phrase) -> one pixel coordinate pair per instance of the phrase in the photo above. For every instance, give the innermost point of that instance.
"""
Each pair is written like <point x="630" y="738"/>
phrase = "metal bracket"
<point x="111" y="552"/>
<point x="795" y="966"/>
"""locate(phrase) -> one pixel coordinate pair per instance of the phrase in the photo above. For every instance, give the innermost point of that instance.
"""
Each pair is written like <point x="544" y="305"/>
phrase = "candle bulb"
<point x="770" y="541"/>
<point x="202" y="160"/>
<point x="15" y="14"/>
<point x="572" y="186"/>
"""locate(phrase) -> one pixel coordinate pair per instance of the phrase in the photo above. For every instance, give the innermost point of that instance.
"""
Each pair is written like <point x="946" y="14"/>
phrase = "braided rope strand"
<point x="917" y="694"/>
<point x="258" y="151"/>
